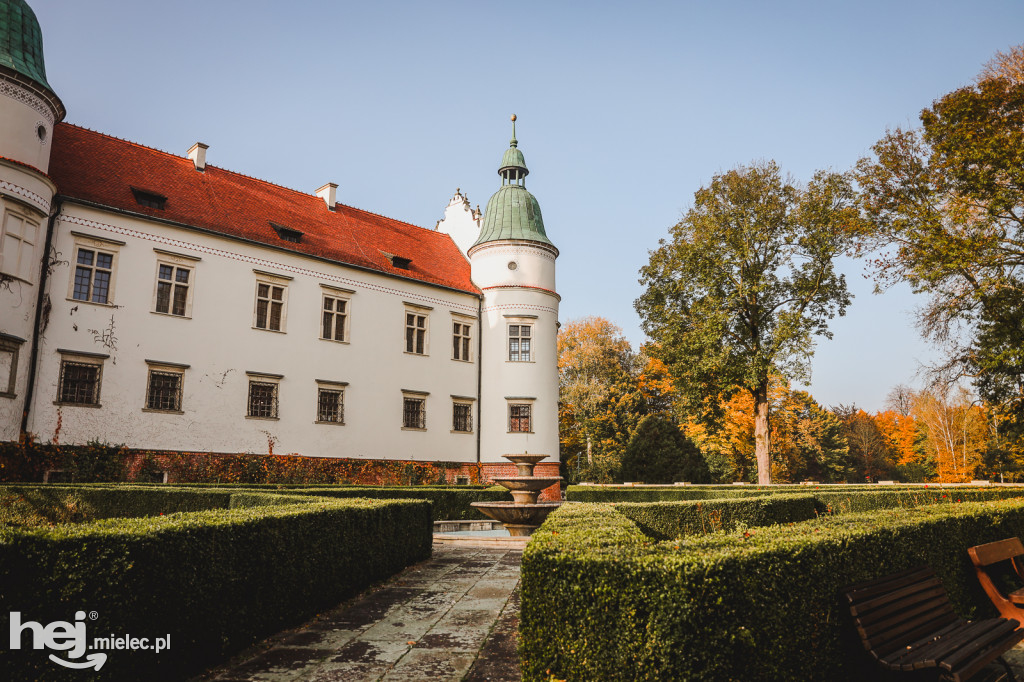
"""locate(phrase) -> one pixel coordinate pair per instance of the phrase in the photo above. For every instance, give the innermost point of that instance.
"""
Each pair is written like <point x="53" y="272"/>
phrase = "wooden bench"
<point x="988" y="560"/>
<point x="906" y="622"/>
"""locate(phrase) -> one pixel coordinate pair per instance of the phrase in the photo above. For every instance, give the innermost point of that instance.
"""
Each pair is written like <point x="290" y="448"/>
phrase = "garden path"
<point x="452" y="617"/>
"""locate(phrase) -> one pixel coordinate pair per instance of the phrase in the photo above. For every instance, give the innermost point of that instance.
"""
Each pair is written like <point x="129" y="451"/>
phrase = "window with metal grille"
<point x="519" y="342"/>
<point x="262" y="399"/>
<point x="519" y="419"/>
<point x="269" y="306"/>
<point x="415" y="333"/>
<point x="164" y="391"/>
<point x="172" y="287"/>
<point x="335" y="315"/>
<point x="79" y="383"/>
<point x="414" y="413"/>
<point x="460" y="341"/>
<point x="93" y="270"/>
<point x="330" y="406"/>
<point x="462" y="417"/>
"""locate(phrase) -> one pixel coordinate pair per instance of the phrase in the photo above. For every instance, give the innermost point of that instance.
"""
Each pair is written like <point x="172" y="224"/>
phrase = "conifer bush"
<point x="658" y="452"/>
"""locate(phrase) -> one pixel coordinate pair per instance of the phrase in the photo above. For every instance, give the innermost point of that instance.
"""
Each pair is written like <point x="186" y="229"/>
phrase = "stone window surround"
<point x="91" y="242"/>
<point x="264" y="378"/>
<point x="272" y="280"/>
<point x="468" y="402"/>
<point x="11" y="344"/>
<point x="81" y="358"/>
<point x="330" y="385"/>
<point x="419" y="311"/>
<point x="338" y="294"/>
<point x="175" y="260"/>
<point x="165" y="368"/>
<point x="520" y="321"/>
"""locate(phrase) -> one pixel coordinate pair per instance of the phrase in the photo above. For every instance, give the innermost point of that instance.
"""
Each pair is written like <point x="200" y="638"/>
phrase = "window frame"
<point x="462" y="401"/>
<point x="97" y="245"/>
<point x="270" y="280"/>
<point x="324" y="385"/>
<point x="11" y="344"/>
<point x="519" y="323"/>
<point x="409" y="396"/>
<point x="468" y="327"/>
<point x="519" y="403"/>
<point x="26" y="257"/>
<point x="264" y="379"/>
<point x="336" y="294"/>
<point x="167" y="368"/>
<point x="175" y="261"/>
<point x="418" y="311"/>
<point x="81" y="359"/>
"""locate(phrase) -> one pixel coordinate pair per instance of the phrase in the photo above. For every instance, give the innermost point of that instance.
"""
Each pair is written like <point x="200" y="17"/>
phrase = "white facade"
<point x="170" y="334"/>
<point x="219" y="350"/>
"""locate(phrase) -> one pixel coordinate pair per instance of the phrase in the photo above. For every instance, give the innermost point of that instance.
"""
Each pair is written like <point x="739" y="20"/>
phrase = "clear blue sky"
<point x="625" y="109"/>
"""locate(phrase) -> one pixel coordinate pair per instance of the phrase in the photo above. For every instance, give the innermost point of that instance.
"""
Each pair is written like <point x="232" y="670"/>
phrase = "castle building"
<point x="169" y="304"/>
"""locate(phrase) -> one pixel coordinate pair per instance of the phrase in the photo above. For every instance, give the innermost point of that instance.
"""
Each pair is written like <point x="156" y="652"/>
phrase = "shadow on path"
<point x="452" y="617"/>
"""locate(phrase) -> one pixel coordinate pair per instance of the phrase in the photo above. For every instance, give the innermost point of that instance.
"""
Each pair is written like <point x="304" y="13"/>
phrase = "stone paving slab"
<point x="430" y="622"/>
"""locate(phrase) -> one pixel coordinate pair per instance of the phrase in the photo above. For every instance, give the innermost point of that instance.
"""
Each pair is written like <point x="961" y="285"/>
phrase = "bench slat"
<point x="998" y="631"/>
<point x="993" y="552"/>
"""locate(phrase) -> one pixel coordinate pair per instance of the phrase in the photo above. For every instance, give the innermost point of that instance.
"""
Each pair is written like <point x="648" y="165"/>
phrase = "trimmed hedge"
<point x="761" y="604"/>
<point x="216" y="581"/>
<point x="664" y="520"/>
<point x="449" y="503"/>
<point x="124" y="501"/>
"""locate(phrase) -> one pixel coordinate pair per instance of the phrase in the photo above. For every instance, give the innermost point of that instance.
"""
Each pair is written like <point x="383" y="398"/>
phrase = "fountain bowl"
<point x="519" y="520"/>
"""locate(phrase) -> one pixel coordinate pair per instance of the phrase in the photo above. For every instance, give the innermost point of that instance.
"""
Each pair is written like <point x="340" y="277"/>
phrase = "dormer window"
<point x="149" y="199"/>
<point x="287" y="233"/>
<point x="397" y="261"/>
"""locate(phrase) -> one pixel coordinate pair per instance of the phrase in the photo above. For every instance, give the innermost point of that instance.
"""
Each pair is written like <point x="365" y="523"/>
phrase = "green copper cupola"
<point x="512" y="212"/>
<point x="21" y="41"/>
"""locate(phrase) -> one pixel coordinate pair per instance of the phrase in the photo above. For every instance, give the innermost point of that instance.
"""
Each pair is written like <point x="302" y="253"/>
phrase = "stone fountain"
<point x="524" y="514"/>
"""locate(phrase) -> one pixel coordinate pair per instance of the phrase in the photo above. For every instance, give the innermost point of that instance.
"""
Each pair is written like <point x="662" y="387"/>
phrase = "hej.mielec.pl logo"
<point x="71" y="638"/>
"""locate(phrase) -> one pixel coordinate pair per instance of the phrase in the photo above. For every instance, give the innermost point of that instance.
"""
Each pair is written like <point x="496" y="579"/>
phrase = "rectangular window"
<point x="80" y="380"/>
<point x="519" y="419"/>
<point x="462" y="417"/>
<point x="18" y="247"/>
<point x="173" y="289"/>
<point x="270" y="306"/>
<point x="460" y="341"/>
<point x="330" y="405"/>
<point x="9" y="347"/>
<point x="519" y="342"/>
<point x="415" y="333"/>
<point x="334" y="323"/>
<point x="164" y="388"/>
<point x="93" y="271"/>
<point x="262" y="399"/>
<point x="414" y="413"/>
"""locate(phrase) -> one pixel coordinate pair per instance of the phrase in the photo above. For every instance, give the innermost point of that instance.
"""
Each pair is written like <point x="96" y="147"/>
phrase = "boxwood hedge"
<point x="602" y="600"/>
<point x="216" y="581"/>
<point x="449" y="503"/>
<point x="664" y="520"/>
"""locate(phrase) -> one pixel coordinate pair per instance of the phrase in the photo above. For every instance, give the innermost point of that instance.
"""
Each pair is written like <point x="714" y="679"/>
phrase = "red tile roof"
<point x="97" y="168"/>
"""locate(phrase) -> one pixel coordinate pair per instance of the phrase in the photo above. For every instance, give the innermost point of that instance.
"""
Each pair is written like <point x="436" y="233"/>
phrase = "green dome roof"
<point x="21" y="41"/>
<point x="512" y="212"/>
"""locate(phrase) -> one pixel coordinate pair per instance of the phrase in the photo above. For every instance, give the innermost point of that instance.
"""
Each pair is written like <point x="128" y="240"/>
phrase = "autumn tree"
<point x="870" y="451"/>
<point x="745" y="283"/>
<point x="956" y="430"/>
<point x="599" y="401"/>
<point x="946" y="207"/>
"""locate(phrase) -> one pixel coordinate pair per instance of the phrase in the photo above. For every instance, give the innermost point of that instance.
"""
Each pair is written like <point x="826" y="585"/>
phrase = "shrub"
<point x="658" y="452"/>
<point x="216" y="581"/>
<point x="762" y="604"/>
<point x="664" y="520"/>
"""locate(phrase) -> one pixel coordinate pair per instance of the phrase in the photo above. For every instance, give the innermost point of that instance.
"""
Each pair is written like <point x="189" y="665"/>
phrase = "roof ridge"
<point x="243" y="175"/>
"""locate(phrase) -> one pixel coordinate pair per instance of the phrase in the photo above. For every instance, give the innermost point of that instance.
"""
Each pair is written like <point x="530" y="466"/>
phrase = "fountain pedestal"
<point x="524" y="514"/>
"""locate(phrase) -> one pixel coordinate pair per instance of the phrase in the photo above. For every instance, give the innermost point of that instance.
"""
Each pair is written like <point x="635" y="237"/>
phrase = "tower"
<point x="29" y="109"/>
<point x="513" y="263"/>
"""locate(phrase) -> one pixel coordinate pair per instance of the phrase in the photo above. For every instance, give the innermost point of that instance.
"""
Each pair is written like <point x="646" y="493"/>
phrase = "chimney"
<point x="197" y="153"/>
<point x="329" y="193"/>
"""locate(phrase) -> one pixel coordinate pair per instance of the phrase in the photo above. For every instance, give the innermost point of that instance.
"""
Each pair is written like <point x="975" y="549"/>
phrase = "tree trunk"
<point x="762" y="433"/>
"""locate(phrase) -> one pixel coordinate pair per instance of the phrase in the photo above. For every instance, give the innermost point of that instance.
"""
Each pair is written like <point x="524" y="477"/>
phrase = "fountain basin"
<point x="525" y="463"/>
<point x="527" y="482"/>
<point x="518" y="519"/>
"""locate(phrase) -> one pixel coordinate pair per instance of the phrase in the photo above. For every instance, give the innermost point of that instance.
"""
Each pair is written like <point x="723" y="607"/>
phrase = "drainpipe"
<point x="36" y="332"/>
